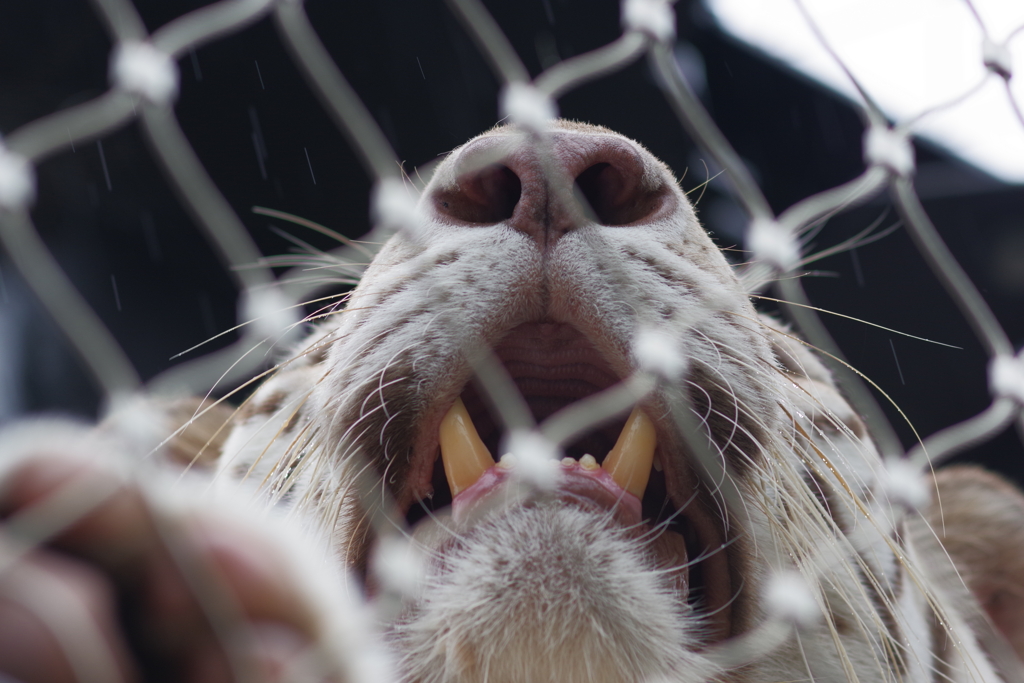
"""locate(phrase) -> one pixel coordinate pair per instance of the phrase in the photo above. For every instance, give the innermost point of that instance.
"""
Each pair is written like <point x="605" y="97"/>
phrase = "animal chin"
<point x="617" y="473"/>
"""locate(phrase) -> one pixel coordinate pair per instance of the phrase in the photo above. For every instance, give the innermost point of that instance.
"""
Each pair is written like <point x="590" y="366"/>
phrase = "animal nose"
<point x="547" y="191"/>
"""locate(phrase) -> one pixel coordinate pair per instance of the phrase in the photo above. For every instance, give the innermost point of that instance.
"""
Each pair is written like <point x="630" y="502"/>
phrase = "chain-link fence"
<point x="145" y="72"/>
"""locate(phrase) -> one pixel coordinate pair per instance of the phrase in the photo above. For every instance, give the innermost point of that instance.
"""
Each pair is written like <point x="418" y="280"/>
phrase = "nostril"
<point x="618" y="197"/>
<point x="488" y="195"/>
<point x="601" y="186"/>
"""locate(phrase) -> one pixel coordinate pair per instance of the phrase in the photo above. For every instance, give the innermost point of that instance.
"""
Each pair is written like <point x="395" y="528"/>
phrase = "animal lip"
<point x="583" y="484"/>
<point x="624" y="473"/>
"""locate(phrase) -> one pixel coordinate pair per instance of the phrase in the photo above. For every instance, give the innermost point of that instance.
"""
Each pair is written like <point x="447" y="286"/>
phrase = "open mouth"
<point x="616" y="468"/>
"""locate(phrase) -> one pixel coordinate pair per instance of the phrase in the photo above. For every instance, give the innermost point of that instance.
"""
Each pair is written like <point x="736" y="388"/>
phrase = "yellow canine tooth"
<point x="629" y="462"/>
<point x="463" y="453"/>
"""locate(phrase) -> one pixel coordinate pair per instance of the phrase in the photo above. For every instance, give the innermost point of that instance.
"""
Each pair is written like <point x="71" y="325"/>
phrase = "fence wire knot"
<point x="1006" y="377"/>
<point x="400" y="565"/>
<point x="787" y="597"/>
<point x="997" y="58"/>
<point x="138" y="423"/>
<point x="143" y="70"/>
<point x="657" y="353"/>
<point x="527" y="106"/>
<point x="773" y="244"/>
<point x="17" y="180"/>
<point x="890" y="149"/>
<point x="652" y="17"/>
<point x="393" y="207"/>
<point x="903" y="484"/>
<point x="535" y="459"/>
<point x="270" y="312"/>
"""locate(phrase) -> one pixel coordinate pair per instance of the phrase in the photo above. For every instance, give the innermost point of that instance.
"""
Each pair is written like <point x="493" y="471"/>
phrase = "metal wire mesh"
<point x="144" y="83"/>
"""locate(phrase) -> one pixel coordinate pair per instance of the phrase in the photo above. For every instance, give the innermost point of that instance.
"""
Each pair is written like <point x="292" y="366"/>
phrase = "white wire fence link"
<point x="144" y="85"/>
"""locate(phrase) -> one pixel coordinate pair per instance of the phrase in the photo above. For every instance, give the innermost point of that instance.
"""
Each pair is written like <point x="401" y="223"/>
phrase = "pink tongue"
<point x="574" y="484"/>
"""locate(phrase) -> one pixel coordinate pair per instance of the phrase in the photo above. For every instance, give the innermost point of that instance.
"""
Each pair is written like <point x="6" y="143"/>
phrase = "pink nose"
<point x="586" y="179"/>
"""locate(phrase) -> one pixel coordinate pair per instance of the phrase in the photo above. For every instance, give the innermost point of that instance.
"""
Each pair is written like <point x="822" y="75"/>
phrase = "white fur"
<point x="595" y="611"/>
<point x="547" y="593"/>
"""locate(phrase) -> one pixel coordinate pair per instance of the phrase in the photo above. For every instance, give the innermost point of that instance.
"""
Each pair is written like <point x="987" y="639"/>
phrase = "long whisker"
<point x="859" y="320"/>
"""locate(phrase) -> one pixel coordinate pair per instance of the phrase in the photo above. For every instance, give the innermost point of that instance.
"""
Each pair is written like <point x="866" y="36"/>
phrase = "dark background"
<point x="108" y="215"/>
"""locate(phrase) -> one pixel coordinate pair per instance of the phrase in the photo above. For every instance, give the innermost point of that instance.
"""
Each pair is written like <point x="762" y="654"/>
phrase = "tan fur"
<point x="979" y="519"/>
